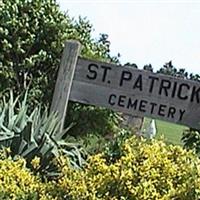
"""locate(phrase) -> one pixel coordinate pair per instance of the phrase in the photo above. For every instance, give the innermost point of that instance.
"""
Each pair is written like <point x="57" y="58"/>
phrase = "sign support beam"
<point x="64" y="80"/>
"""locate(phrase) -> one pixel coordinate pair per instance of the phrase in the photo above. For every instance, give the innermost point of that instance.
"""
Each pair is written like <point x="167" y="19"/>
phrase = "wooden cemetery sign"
<point x="125" y="89"/>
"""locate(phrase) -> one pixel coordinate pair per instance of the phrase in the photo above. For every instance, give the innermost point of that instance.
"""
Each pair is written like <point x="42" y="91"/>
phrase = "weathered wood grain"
<point x="124" y="89"/>
<point x="178" y="102"/>
<point x="64" y="79"/>
<point x="114" y="75"/>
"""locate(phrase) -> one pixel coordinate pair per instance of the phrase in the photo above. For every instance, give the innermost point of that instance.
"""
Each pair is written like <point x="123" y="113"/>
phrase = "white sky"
<point x="146" y="31"/>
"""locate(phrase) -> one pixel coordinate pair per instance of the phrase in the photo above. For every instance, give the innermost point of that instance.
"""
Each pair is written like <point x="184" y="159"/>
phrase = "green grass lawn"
<point x="171" y="132"/>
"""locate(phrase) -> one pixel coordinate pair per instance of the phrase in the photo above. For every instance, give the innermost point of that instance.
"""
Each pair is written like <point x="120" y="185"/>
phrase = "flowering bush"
<point x="18" y="183"/>
<point x="146" y="170"/>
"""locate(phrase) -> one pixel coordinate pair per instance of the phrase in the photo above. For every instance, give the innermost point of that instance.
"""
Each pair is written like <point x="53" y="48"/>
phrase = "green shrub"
<point x="145" y="170"/>
<point x="32" y="36"/>
<point x="191" y="140"/>
<point x="92" y="120"/>
<point x="113" y="150"/>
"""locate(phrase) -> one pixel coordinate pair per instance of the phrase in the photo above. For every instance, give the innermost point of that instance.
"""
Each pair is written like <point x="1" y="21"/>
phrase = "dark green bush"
<point x="191" y="140"/>
<point x="32" y="36"/>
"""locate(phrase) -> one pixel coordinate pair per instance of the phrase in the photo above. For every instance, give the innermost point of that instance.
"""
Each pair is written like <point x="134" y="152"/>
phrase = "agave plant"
<point x="35" y="135"/>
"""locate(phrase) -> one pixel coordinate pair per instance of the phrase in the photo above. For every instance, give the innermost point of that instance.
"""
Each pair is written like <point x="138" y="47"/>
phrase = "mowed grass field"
<point x="172" y="132"/>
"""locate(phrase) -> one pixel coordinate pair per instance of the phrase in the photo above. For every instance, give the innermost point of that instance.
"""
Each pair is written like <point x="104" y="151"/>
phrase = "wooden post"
<point x="64" y="80"/>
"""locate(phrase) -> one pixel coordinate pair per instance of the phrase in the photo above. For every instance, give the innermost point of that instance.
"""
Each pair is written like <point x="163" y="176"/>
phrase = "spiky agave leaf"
<point x="35" y="134"/>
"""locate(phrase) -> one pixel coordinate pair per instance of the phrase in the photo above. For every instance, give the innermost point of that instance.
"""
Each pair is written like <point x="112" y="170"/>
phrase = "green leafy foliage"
<point x="169" y="69"/>
<point x="32" y="36"/>
<point x="27" y="53"/>
<point x="35" y="135"/>
<point x="92" y="120"/>
<point x="113" y="150"/>
<point x="32" y="39"/>
<point x="191" y="140"/>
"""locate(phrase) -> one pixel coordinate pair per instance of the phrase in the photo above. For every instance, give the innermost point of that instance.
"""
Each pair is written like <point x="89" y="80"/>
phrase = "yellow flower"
<point x="35" y="162"/>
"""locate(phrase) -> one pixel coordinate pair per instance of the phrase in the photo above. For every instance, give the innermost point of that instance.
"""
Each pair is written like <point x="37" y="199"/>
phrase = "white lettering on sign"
<point x="137" y="92"/>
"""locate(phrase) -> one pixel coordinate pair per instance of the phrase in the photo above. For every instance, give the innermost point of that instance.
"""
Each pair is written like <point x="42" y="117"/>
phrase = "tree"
<point x="32" y="36"/>
<point x="168" y="69"/>
<point x="148" y="67"/>
<point x="131" y="65"/>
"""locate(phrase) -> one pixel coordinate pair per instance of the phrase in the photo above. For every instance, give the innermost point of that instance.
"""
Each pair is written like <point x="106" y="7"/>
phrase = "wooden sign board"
<point x="124" y="89"/>
<point x="137" y="92"/>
